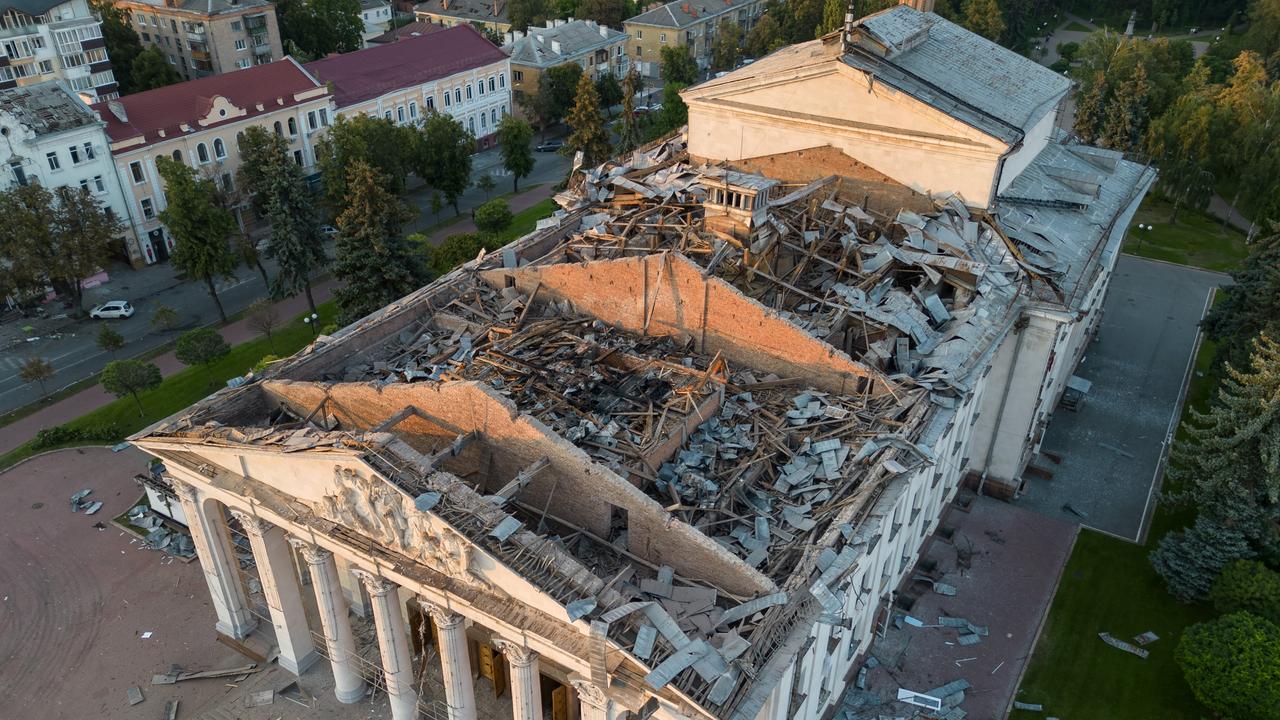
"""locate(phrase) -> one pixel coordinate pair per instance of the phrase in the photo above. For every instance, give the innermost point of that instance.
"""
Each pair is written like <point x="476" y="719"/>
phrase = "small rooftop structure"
<point x="683" y="13"/>
<point x="416" y="28"/>
<point x="365" y="74"/>
<point x="559" y="42"/>
<point x="46" y="108"/>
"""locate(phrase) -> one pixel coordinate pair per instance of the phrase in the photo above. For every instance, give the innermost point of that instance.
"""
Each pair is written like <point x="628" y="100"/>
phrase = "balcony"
<point x="255" y="23"/>
<point x="196" y="36"/>
<point x="263" y="49"/>
<point x="199" y="54"/>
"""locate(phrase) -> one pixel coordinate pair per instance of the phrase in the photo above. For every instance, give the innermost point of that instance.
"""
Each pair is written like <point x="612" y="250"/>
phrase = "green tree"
<point x="1181" y="142"/>
<point x="1068" y="50"/>
<point x="259" y="149"/>
<point x="628" y="130"/>
<point x="1126" y="115"/>
<point x="832" y="17"/>
<point x="26" y="239"/>
<point x="1250" y="108"/>
<point x="555" y="94"/>
<point x="123" y="45"/>
<point x="108" y="340"/>
<point x="151" y="70"/>
<point x="1248" y="306"/>
<point x="320" y="27"/>
<point x="164" y="319"/>
<point x="984" y="18"/>
<point x="202" y="346"/>
<point x="1247" y="586"/>
<point x="376" y="141"/>
<point x="493" y="217"/>
<point x="199" y="225"/>
<point x="515" y="140"/>
<point x="455" y="250"/>
<point x="1091" y="103"/>
<point x="36" y="370"/>
<point x="130" y="377"/>
<point x="765" y="36"/>
<point x="444" y="159"/>
<point x="1263" y="36"/>
<point x="1189" y="560"/>
<point x="523" y="13"/>
<point x="674" y="112"/>
<point x="485" y="184"/>
<point x="610" y="92"/>
<point x="297" y="245"/>
<point x="374" y="262"/>
<point x="1233" y="665"/>
<point x="82" y="232"/>
<point x="727" y="48"/>
<point x="677" y="65"/>
<point x="605" y="12"/>
<point x="588" y="134"/>
<point x="264" y="318"/>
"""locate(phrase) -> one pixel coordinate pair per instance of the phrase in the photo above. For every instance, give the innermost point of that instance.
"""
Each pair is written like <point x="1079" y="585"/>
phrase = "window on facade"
<point x="447" y="101"/>
<point x="135" y="170"/>
<point x="297" y="157"/>
<point x="177" y="156"/>
<point x="457" y="94"/>
<point x="202" y="153"/>
<point x="88" y="151"/>
<point x="293" y="126"/>
<point x="278" y="128"/>
<point x="173" y="25"/>
<point x="241" y="45"/>
<point x="227" y="183"/>
<point x="492" y="84"/>
<point x="386" y="115"/>
<point x="98" y="185"/>
<point x="148" y="210"/>
<point x="243" y="63"/>
<point x="483" y="121"/>
<point x="639" y="51"/>
<point x="324" y="117"/>
<point x="235" y="26"/>
<point x="19" y="175"/>
<point x="413" y="110"/>
<point x="84" y="184"/>
<point x="471" y="125"/>
<point x="493" y="115"/>
<point x="400" y="114"/>
<point x="639" y="34"/>
<point x="75" y="154"/>
<point x="502" y="80"/>
<point x="219" y="150"/>
<point x="480" y="87"/>
<point x="504" y="109"/>
<point x="46" y="67"/>
<point x="311" y="120"/>
<point x="662" y="37"/>
<point x="518" y="75"/>
<point x="468" y="92"/>
<point x="53" y="160"/>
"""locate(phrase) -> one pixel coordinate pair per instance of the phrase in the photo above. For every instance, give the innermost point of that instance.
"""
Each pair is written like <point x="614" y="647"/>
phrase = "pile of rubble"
<point x="161" y="533"/>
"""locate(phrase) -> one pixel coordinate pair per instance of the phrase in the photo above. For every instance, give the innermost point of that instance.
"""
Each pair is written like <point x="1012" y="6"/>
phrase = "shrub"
<point x="1249" y="586"/>
<point x="62" y="435"/>
<point x="1233" y="665"/>
<point x="493" y="217"/>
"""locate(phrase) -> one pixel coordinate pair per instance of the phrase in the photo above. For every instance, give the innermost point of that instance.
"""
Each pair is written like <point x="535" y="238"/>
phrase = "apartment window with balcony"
<point x="202" y="153"/>
<point x="241" y="45"/>
<point x="52" y="158"/>
<point x="135" y="171"/>
<point x="148" y="209"/>
<point x="219" y="149"/>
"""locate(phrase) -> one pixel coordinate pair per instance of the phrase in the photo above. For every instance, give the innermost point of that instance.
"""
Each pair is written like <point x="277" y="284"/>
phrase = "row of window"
<point x="15" y="72"/>
<point x="494" y="83"/>
<point x="78" y="153"/>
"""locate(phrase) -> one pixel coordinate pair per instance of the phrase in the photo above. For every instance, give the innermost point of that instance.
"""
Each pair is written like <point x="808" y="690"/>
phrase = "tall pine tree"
<point x="375" y="263"/>
<point x="200" y="227"/>
<point x="588" y="134"/>
<point x="1190" y="559"/>
<point x="1125" y="119"/>
<point x="628" y="130"/>
<point x="296" y="241"/>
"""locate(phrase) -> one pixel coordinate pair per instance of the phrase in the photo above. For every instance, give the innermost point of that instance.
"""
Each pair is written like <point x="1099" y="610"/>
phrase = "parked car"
<point x="112" y="309"/>
<point x="328" y="230"/>
<point x="550" y="146"/>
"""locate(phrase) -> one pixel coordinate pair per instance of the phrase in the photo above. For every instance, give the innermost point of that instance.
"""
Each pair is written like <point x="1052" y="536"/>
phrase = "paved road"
<point x="1112" y="447"/>
<point x="71" y="347"/>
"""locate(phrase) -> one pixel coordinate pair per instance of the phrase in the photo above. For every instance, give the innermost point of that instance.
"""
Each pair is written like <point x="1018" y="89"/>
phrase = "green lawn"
<point x="1197" y="239"/>
<point x="1109" y="586"/>
<point x="184" y="387"/>
<point x="523" y="222"/>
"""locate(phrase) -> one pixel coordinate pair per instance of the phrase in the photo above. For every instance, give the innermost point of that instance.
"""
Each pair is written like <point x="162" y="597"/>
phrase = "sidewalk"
<point x="95" y="397"/>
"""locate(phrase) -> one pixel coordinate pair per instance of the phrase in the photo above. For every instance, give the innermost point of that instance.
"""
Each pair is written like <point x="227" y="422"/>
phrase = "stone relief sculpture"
<point x="374" y="508"/>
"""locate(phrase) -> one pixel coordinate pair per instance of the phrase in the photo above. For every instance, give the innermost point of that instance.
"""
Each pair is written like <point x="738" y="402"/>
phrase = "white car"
<point x="113" y="309"/>
<point x="328" y="230"/>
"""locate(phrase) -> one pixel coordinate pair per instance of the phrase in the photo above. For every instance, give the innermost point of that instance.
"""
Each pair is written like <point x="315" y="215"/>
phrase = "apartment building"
<point x="684" y="22"/>
<point x="208" y="37"/>
<point x="376" y="16"/>
<point x="488" y="14"/>
<point x="455" y="71"/>
<point x="198" y="122"/>
<point x="598" y="49"/>
<point x="43" y="41"/>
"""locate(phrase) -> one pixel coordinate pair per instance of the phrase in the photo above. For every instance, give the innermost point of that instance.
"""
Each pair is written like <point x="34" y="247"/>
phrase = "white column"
<point x="218" y="561"/>
<point x="526" y="684"/>
<point x="393" y="642"/>
<point x="593" y="703"/>
<point x="281" y="589"/>
<point x="455" y="663"/>
<point x="348" y="685"/>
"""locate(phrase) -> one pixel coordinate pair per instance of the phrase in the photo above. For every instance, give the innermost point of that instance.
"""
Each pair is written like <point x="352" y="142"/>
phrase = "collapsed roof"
<point x="670" y="409"/>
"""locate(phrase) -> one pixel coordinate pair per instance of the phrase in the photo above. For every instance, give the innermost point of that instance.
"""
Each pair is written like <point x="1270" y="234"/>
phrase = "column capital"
<point x="184" y="491"/>
<point x="377" y="585"/>
<point x="312" y="553"/>
<point x="518" y="655"/>
<point x="590" y="693"/>
<point x="445" y="618"/>
<point x="253" y="525"/>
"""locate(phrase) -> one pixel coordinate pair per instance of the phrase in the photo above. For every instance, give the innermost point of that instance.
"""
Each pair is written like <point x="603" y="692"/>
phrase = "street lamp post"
<point x="313" y="320"/>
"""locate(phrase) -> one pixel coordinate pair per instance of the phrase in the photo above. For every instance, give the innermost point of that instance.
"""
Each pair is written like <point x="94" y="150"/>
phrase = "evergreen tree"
<point x="588" y="134"/>
<point x="297" y="245"/>
<point x="515" y="138"/>
<point x="151" y="70"/>
<point x="444" y="159"/>
<point x="320" y="27"/>
<point x="610" y="92"/>
<point x="1248" y="306"/>
<point x="984" y="18"/>
<point x="832" y="16"/>
<point x="1126" y="115"/>
<point x="376" y="141"/>
<point x="123" y="45"/>
<point x="727" y="48"/>
<point x="199" y="225"/>
<point x="259" y="150"/>
<point x="375" y="264"/>
<point x="1189" y="560"/>
<point x="1091" y="101"/>
<point x="628" y="131"/>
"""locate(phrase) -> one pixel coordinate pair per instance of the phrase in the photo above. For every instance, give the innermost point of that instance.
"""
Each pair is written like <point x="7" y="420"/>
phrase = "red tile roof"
<point x="366" y="74"/>
<point x="273" y="85"/>
<point x="413" y="29"/>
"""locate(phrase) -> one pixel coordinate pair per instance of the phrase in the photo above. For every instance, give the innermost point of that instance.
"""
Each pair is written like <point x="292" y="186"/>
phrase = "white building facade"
<point x="48" y="40"/>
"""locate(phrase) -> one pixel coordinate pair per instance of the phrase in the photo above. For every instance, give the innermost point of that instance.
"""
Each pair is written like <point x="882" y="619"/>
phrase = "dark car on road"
<point x="550" y="146"/>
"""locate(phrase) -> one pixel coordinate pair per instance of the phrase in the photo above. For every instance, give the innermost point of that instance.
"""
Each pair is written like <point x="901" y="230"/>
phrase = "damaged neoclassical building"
<point x="670" y="455"/>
